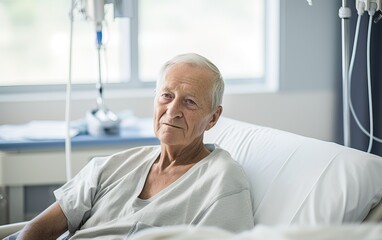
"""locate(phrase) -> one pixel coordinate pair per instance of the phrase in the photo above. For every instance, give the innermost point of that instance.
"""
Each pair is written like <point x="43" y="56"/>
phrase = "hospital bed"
<point x="299" y="184"/>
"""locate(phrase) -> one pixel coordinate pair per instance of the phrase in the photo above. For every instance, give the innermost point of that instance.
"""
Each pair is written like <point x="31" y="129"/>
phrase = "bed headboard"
<point x="301" y="180"/>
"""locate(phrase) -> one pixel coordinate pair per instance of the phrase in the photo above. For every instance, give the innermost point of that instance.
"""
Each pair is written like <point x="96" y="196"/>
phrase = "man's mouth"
<point x="170" y="125"/>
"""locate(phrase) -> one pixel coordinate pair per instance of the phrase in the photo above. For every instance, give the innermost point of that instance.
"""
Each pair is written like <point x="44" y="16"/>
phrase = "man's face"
<point x="182" y="107"/>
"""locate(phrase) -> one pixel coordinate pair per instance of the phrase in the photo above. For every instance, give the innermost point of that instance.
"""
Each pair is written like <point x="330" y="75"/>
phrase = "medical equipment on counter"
<point x="371" y="6"/>
<point x="101" y="121"/>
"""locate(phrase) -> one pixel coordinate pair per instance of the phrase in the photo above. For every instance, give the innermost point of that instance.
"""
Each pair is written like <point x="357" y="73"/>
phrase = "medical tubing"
<point x="350" y="79"/>
<point x="371" y="128"/>
<point x="68" y="148"/>
<point x="354" y="52"/>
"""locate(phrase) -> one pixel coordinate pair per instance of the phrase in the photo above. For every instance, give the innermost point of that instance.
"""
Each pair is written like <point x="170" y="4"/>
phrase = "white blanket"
<point x="262" y="232"/>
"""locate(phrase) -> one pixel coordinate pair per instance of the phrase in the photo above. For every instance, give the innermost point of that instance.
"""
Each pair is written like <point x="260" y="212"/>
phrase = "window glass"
<point x="34" y="45"/>
<point x="35" y="35"/>
<point x="229" y="33"/>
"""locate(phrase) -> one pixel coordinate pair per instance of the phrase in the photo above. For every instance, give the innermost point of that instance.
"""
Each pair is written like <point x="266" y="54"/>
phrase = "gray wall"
<point x="310" y="45"/>
<point x="306" y="103"/>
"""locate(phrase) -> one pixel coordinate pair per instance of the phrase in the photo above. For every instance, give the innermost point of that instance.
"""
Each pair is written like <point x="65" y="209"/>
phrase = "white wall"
<point x="305" y="104"/>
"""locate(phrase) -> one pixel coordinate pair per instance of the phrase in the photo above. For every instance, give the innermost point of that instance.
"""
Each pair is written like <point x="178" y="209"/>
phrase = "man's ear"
<point x="214" y="118"/>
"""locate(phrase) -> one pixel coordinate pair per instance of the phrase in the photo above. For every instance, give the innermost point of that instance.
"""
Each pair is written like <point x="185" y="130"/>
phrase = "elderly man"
<point x="181" y="181"/>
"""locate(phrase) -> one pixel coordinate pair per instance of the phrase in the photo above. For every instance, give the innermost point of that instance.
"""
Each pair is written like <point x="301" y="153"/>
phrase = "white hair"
<point x="202" y="62"/>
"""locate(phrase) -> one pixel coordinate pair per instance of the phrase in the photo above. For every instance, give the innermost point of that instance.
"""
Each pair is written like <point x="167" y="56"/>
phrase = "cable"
<point x="68" y="144"/>
<point x="371" y="128"/>
<point x="370" y="135"/>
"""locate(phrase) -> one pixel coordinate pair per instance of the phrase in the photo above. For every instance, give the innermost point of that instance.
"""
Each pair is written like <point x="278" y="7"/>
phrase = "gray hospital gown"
<point x="101" y="202"/>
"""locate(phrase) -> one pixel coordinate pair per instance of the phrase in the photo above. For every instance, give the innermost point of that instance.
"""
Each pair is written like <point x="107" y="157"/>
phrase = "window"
<point x="35" y="41"/>
<point x="35" y="44"/>
<point x="230" y="33"/>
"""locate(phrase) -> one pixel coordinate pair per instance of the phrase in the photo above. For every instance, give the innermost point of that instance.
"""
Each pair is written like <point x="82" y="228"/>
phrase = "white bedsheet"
<point x="263" y="232"/>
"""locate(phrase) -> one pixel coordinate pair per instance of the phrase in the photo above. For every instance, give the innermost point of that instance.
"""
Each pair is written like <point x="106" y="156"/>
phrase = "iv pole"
<point x="345" y="13"/>
<point x="122" y="8"/>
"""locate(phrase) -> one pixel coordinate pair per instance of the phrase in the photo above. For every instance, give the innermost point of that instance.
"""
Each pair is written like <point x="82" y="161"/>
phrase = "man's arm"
<point x="50" y="224"/>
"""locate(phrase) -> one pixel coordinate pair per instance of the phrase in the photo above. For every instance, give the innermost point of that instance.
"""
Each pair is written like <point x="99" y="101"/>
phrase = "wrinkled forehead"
<point x="189" y="80"/>
<point x="189" y="73"/>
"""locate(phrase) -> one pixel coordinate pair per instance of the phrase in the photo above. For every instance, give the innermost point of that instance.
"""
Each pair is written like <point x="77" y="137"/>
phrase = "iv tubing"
<point x="369" y="85"/>
<point x="68" y="144"/>
<point x="371" y="137"/>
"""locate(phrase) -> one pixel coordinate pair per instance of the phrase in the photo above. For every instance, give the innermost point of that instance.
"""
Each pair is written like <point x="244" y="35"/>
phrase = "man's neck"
<point x="175" y="156"/>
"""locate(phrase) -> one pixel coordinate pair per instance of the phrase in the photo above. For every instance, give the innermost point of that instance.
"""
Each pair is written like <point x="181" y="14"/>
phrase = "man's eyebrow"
<point x="164" y="89"/>
<point x="188" y="93"/>
<point x="192" y="95"/>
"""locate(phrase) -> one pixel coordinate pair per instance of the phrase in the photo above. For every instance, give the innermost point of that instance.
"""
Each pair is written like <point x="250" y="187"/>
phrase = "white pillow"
<point x="301" y="180"/>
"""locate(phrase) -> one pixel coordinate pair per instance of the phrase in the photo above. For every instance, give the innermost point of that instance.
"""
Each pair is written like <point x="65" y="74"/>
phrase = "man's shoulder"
<point x="222" y="164"/>
<point x="221" y="175"/>
<point x="224" y="159"/>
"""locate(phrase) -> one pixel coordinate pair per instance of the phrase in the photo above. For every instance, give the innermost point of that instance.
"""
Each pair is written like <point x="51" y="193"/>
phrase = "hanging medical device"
<point x="100" y="121"/>
<point x="370" y="6"/>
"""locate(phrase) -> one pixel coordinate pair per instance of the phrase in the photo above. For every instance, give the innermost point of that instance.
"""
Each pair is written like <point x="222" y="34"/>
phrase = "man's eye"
<point x="190" y="102"/>
<point x="166" y="96"/>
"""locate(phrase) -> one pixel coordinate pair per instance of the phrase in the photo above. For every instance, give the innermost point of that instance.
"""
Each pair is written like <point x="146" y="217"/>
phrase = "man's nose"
<point x="174" y="109"/>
